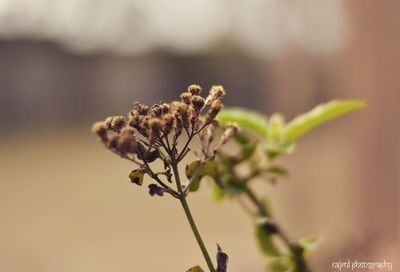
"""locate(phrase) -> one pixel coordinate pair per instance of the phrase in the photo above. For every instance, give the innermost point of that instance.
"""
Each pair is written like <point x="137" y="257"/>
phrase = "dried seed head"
<point x="127" y="131"/>
<point x="108" y="121"/>
<point x="183" y="111"/>
<point x="141" y="109"/>
<point x="165" y="108"/>
<point x="128" y="145"/>
<point x="114" y="142"/>
<point x="186" y="97"/>
<point x="215" y="108"/>
<point x="168" y="121"/>
<point x="194" y="89"/>
<point x="217" y="91"/>
<point x="141" y="136"/>
<point x="156" y="110"/>
<point x="117" y="123"/>
<point x="197" y="102"/>
<point x="155" y="125"/>
<point x="100" y="129"/>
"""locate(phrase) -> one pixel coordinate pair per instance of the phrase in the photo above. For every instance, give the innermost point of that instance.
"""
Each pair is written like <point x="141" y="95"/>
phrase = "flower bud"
<point x="186" y="97"/>
<point x="165" y="108"/>
<point x="194" y="89"/>
<point x="197" y="102"/>
<point x="128" y="143"/>
<point x="216" y="93"/>
<point x="100" y="129"/>
<point x="156" y="110"/>
<point x="141" y="109"/>
<point x="215" y="108"/>
<point x="155" y="126"/>
<point x="117" y="123"/>
<point x="168" y="121"/>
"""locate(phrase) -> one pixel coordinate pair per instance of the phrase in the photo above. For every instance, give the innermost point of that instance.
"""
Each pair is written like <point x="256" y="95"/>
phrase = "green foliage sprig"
<point x="261" y="141"/>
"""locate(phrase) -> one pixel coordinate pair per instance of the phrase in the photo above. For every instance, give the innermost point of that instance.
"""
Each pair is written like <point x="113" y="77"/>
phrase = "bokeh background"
<point x="66" y="203"/>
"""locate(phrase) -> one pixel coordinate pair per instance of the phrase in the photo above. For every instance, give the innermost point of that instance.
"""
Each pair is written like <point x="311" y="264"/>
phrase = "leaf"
<point x="251" y="120"/>
<point x="308" y="244"/>
<point x="318" y="116"/>
<point x="278" y="170"/>
<point x="247" y="150"/>
<point x="265" y="242"/>
<point x="196" y="170"/>
<point x="279" y="264"/>
<point x="193" y="170"/>
<point x="232" y="184"/>
<point x="136" y="176"/>
<point x="218" y="194"/>
<point x="276" y="128"/>
<point x="195" y="269"/>
<point x="222" y="260"/>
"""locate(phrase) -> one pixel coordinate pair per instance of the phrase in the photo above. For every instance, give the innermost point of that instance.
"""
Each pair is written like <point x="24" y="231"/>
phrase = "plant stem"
<point x="300" y="262"/>
<point x="189" y="217"/>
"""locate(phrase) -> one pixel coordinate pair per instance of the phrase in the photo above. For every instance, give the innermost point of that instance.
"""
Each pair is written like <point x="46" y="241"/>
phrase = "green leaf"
<point x="137" y="176"/>
<point x="265" y="242"/>
<point x="308" y="244"/>
<point x="195" y="269"/>
<point x="276" y="128"/>
<point x="196" y="170"/>
<point x="278" y="170"/>
<point x="251" y="120"/>
<point x="232" y="184"/>
<point x="193" y="173"/>
<point x="247" y="150"/>
<point x="279" y="264"/>
<point x="318" y="116"/>
<point x="218" y="194"/>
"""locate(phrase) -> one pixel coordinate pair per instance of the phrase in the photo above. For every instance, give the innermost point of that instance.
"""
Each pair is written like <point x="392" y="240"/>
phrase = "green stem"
<point x="189" y="217"/>
<point x="296" y="251"/>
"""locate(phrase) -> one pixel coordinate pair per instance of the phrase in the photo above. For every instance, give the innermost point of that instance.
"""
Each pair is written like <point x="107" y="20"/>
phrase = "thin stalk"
<point x="189" y="217"/>
<point x="300" y="262"/>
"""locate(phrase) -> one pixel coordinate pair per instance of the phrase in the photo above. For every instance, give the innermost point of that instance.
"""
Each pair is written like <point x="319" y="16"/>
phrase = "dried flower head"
<point x="186" y="97"/>
<point x="165" y="133"/>
<point x="149" y="135"/>
<point x="194" y="89"/>
<point x="100" y="129"/>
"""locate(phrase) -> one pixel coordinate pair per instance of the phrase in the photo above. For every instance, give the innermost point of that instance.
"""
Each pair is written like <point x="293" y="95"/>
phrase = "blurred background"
<point x="66" y="203"/>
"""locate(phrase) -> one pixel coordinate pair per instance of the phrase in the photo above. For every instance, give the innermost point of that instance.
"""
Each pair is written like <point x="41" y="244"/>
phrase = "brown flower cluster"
<point x="150" y="133"/>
